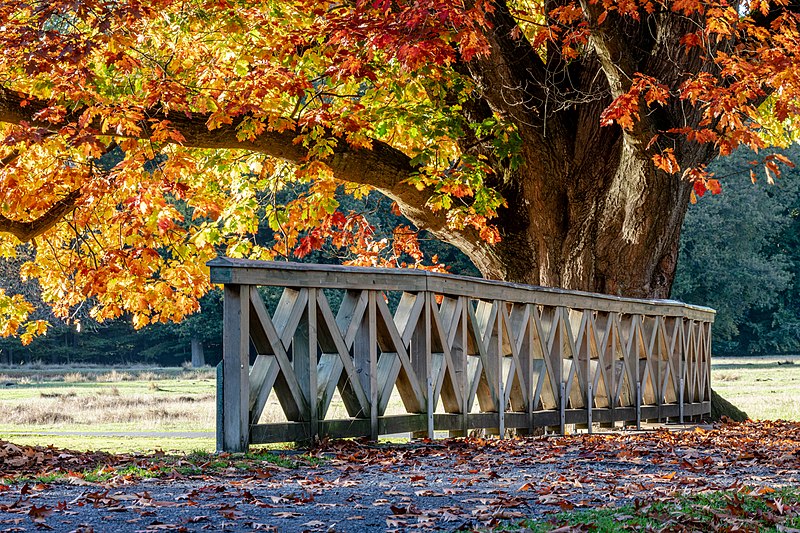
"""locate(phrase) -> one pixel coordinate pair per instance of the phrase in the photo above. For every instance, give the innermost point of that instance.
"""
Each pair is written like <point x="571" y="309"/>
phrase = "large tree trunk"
<point x="611" y="227"/>
<point x="587" y="209"/>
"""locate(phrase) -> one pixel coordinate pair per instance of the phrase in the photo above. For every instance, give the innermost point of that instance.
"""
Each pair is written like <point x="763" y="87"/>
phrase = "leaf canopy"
<point x="141" y="138"/>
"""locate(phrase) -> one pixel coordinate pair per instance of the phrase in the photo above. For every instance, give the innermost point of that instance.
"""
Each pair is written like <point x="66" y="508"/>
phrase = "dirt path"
<point x="446" y="485"/>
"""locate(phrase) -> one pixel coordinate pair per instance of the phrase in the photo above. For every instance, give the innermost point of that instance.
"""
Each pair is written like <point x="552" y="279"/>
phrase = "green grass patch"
<point x="764" y="387"/>
<point x="765" y="510"/>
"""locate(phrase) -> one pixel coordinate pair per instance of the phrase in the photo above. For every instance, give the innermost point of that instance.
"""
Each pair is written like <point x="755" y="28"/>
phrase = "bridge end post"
<point x="235" y="434"/>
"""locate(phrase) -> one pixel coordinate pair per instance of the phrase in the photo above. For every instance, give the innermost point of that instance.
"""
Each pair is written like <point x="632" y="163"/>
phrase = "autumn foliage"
<point x="141" y="138"/>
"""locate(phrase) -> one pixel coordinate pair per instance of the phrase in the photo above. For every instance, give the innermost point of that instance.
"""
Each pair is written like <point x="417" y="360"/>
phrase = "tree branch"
<point x="381" y="167"/>
<point x="26" y="231"/>
<point x="512" y="76"/>
<point x="10" y="158"/>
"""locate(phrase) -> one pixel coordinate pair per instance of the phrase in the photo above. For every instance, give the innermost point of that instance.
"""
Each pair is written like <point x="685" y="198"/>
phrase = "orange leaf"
<point x="666" y="161"/>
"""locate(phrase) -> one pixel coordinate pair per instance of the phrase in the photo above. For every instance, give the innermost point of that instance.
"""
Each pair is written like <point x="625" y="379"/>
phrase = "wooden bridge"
<point x="411" y="351"/>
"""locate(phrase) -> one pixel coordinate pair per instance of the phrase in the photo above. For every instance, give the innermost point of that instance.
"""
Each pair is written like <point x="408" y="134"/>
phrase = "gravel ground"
<point x="445" y="485"/>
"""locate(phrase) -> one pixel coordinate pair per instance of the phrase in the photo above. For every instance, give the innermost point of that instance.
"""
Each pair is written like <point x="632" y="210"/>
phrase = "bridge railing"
<point x="407" y="351"/>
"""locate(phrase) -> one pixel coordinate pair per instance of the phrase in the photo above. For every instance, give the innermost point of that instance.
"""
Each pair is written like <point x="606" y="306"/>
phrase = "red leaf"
<point x="38" y="514"/>
<point x="699" y="188"/>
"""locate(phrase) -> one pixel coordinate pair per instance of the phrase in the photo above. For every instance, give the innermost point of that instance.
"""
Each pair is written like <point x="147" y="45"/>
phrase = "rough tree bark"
<point x="588" y="209"/>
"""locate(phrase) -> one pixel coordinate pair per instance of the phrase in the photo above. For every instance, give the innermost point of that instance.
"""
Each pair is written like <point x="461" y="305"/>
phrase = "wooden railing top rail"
<point x="226" y="270"/>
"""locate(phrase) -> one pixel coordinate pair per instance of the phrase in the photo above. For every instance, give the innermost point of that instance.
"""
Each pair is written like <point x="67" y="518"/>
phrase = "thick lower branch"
<point x="382" y="166"/>
<point x="26" y="231"/>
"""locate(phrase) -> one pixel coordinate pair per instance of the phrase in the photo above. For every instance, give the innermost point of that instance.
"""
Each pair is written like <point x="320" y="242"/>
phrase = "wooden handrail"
<point x="225" y="270"/>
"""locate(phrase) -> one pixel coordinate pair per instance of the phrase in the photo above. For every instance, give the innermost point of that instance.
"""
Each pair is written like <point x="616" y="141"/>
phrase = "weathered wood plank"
<point x="481" y="323"/>
<point x="351" y="312"/>
<point x="286" y="274"/>
<point x="329" y="370"/>
<point x="299" y="431"/>
<point x="407" y="315"/>
<point x="236" y="368"/>
<point x="389" y="367"/>
<point x="446" y="384"/>
<point x="352" y="392"/>
<point x="304" y="360"/>
<point x="288" y="390"/>
<point x="405" y="378"/>
<point x="262" y="378"/>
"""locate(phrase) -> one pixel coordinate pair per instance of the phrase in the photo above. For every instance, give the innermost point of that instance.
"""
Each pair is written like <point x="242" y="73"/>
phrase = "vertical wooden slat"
<point x="429" y="377"/>
<point x="562" y="399"/>
<point x="463" y="365"/>
<point x="707" y="361"/>
<point x="236" y="368"/>
<point x="220" y="433"/>
<point x="419" y="351"/>
<point x="372" y="319"/>
<point x="365" y="356"/>
<point x="457" y="339"/>
<point x="499" y="368"/>
<point x="638" y="405"/>
<point x="304" y="360"/>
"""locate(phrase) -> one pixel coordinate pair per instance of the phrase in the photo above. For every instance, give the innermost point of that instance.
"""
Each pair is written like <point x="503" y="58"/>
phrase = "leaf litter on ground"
<point x="733" y="476"/>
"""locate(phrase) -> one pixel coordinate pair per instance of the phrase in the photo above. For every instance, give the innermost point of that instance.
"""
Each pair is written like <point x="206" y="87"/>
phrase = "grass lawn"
<point x="775" y="511"/>
<point x="66" y="406"/>
<point x="77" y="408"/>
<point x="766" y="388"/>
<point x="108" y="444"/>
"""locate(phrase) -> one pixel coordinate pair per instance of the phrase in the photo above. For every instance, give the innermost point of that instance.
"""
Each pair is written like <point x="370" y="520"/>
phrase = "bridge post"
<point x="562" y="394"/>
<point x="220" y="405"/>
<point x="638" y="405"/>
<point x="304" y="360"/>
<point x="236" y="369"/>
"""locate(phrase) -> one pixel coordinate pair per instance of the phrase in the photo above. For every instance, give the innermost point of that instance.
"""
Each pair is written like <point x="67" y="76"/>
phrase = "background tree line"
<point x="740" y="254"/>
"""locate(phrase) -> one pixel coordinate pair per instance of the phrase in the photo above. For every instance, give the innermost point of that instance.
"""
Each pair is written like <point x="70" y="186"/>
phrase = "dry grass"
<point x="766" y="388"/>
<point x="35" y="373"/>
<point x="99" y="399"/>
<point x="110" y="406"/>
